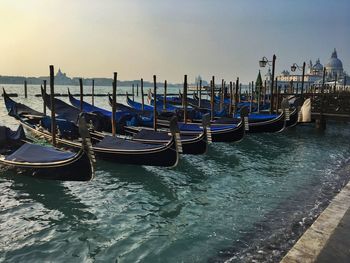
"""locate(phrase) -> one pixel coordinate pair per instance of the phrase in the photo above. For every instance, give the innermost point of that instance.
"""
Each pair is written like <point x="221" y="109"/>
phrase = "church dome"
<point x="318" y="66"/>
<point x="334" y="62"/>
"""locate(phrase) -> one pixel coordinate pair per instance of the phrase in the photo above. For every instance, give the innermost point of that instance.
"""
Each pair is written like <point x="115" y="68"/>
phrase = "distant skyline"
<point x="139" y="38"/>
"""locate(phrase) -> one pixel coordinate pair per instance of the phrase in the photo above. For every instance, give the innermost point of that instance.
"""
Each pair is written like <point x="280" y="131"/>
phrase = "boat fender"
<point x="244" y="116"/>
<point x="175" y="131"/>
<point x="297" y="104"/>
<point x="86" y="139"/>
<point x="206" y="126"/>
<point x="285" y="108"/>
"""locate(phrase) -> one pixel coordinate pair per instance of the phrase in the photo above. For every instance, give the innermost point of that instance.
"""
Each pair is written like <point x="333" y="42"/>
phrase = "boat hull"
<point x="277" y="124"/>
<point x="165" y="155"/>
<point x="191" y="144"/>
<point x="77" y="169"/>
<point x="230" y="134"/>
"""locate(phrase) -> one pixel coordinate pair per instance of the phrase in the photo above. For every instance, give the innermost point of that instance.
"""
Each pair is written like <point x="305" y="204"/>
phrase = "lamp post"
<point x="293" y="68"/>
<point x="262" y="63"/>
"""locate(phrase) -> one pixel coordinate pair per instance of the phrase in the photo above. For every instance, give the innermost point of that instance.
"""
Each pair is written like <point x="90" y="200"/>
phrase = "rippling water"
<point x="237" y="201"/>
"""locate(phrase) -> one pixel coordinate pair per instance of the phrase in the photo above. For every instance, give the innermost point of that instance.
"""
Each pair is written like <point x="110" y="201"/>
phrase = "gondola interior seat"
<point x="34" y="153"/>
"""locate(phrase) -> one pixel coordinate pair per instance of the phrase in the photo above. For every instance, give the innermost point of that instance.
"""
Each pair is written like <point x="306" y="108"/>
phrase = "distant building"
<point x="198" y="79"/>
<point x="316" y="69"/>
<point x="314" y="72"/>
<point x="334" y="67"/>
<point x="62" y="79"/>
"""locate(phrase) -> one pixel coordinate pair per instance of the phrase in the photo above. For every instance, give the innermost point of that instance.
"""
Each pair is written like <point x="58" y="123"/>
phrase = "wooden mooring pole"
<point x="212" y="98"/>
<point x="165" y="94"/>
<point x="52" y="100"/>
<point x="200" y="93"/>
<point x="231" y="98"/>
<point x="93" y="93"/>
<point x="222" y="94"/>
<point x="25" y="89"/>
<point x="240" y="92"/>
<point x="237" y="95"/>
<point x="81" y="94"/>
<point x="155" y="103"/>
<point x="265" y="88"/>
<point x="250" y="90"/>
<point x="272" y="82"/>
<point x="44" y="100"/>
<point x="185" y="98"/>
<point x="277" y="94"/>
<point x="133" y="92"/>
<point x="114" y="104"/>
<point x="142" y="96"/>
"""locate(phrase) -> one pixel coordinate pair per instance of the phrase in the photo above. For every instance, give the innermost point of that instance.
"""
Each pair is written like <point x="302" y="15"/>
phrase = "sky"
<point x="169" y="38"/>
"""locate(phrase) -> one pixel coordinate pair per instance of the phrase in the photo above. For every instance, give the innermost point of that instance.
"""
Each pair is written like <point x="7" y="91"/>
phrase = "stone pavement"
<point x="328" y="238"/>
<point x="337" y="248"/>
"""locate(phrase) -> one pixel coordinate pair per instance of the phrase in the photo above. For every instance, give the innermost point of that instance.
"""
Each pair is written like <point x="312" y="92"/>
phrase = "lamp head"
<point x="293" y="68"/>
<point x="263" y="62"/>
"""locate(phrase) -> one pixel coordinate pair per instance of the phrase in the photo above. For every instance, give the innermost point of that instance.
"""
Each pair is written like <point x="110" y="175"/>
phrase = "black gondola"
<point x="20" y="154"/>
<point x="259" y="124"/>
<point x="107" y="148"/>
<point x="231" y="132"/>
<point x="191" y="144"/>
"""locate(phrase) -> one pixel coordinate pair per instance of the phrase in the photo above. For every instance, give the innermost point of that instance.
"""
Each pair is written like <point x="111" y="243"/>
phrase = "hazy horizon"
<point x="169" y="39"/>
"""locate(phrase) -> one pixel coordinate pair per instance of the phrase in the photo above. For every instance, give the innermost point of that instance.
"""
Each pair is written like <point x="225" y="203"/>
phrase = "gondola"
<point x="264" y="121"/>
<point x="21" y="155"/>
<point x="191" y="144"/>
<point x="222" y="129"/>
<point x="193" y="112"/>
<point x="232" y="132"/>
<point x="108" y="148"/>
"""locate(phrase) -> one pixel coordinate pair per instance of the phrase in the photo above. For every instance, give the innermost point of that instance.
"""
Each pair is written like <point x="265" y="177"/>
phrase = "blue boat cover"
<point x="172" y="99"/>
<point x="152" y="135"/>
<point x="138" y="106"/>
<point x="169" y="107"/>
<point x="87" y="107"/>
<point x="7" y="136"/>
<point x="71" y="113"/>
<point x="190" y="127"/>
<point x="66" y="128"/>
<point x="116" y="143"/>
<point x="33" y="153"/>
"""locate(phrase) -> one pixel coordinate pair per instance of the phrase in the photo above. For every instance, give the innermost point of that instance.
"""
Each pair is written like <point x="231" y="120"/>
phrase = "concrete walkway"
<point x="337" y="248"/>
<point x="328" y="238"/>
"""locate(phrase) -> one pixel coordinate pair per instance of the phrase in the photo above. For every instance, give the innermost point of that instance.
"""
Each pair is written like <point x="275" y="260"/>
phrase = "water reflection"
<point x="53" y="195"/>
<point x="129" y="175"/>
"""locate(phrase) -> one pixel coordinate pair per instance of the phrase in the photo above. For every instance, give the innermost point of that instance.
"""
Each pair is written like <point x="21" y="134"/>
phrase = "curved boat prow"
<point x="175" y="132"/>
<point x="206" y="126"/>
<point x="286" y="111"/>
<point x="244" y="117"/>
<point x="86" y="140"/>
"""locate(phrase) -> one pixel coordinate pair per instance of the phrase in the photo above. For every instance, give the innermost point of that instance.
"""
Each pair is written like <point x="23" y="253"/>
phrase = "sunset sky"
<point x="139" y="38"/>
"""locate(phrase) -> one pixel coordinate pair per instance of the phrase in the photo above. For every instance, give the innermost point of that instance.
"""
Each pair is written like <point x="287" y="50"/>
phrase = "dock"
<point x="328" y="238"/>
<point x="330" y="106"/>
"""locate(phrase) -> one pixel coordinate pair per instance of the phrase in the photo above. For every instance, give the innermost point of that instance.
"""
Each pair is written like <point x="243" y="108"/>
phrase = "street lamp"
<point x="262" y="63"/>
<point x="293" y="68"/>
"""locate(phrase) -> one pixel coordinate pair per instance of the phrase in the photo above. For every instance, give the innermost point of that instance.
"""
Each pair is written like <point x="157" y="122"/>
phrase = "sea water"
<point x="240" y="201"/>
